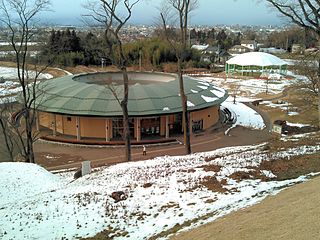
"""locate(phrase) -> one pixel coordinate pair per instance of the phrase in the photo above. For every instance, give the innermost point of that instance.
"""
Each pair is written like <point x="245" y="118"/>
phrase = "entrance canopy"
<point x="256" y="62"/>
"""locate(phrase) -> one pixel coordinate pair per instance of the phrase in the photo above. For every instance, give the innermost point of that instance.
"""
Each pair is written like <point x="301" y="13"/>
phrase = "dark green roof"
<point x="149" y="94"/>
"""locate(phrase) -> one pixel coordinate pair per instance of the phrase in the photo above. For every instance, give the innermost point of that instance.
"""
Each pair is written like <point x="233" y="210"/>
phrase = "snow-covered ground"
<point x="246" y="116"/>
<point x="162" y="193"/>
<point x="247" y="90"/>
<point x="10" y="88"/>
<point x="12" y="73"/>
<point x="9" y="43"/>
<point x="250" y="87"/>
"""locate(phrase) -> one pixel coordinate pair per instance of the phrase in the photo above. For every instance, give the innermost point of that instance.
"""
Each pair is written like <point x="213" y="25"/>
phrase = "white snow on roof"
<point x="194" y="91"/>
<point x="166" y="109"/>
<point x="202" y="87"/>
<point x="209" y="99"/>
<point x="256" y="59"/>
<point x="204" y="83"/>
<point x="190" y="104"/>
<point x="218" y="93"/>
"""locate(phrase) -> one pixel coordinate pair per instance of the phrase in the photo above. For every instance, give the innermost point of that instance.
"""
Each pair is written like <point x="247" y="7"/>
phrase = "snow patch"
<point x="194" y="91"/>
<point x="202" y="87"/>
<point x="209" y="99"/>
<point x="190" y="104"/>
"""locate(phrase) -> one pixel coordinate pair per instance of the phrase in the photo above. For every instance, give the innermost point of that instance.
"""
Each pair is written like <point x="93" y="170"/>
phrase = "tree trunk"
<point x="124" y="107"/>
<point x="29" y="154"/>
<point x="185" y="113"/>
<point x="7" y="139"/>
<point x="318" y="93"/>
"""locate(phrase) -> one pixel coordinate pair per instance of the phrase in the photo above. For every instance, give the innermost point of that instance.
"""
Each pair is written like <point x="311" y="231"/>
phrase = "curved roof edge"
<point x="67" y="96"/>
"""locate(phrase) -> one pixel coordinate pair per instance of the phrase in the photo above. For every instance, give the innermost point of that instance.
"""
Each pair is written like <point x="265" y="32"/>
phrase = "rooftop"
<point x="95" y="94"/>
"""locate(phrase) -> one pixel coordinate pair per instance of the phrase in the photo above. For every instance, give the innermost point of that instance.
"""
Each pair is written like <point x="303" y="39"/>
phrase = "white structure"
<point x="86" y="168"/>
<point x="252" y="45"/>
<point x="200" y="47"/>
<point x="256" y="62"/>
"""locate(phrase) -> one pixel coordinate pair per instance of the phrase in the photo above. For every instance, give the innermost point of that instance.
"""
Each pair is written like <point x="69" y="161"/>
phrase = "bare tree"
<point x="306" y="14"/>
<point x="108" y="14"/>
<point x="19" y="17"/>
<point x="308" y="67"/>
<point x="178" y="42"/>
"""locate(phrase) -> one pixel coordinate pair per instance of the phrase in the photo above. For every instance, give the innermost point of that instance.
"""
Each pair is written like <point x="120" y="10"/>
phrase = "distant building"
<point x="297" y="48"/>
<point x="200" y="47"/>
<point x="217" y="54"/>
<point x="255" y="63"/>
<point x="272" y="50"/>
<point x="251" y="44"/>
<point x="238" y="49"/>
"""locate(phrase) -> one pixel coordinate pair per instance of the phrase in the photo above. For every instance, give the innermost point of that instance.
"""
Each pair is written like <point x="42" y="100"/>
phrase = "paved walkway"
<point x="55" y="156"/>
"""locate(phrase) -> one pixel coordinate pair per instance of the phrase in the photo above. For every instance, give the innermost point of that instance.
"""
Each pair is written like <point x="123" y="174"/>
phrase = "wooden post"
<point x="138" y="129"/>
<point x="54" y="125"/>
<point x="190" y="123"/>
<point x="78" y="128"/>
<point x="167" y="127"/>
<point x="107" y="123"/>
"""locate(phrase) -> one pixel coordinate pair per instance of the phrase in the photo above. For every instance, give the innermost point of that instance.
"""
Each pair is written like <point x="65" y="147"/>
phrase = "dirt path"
<point x="292" y="214"/>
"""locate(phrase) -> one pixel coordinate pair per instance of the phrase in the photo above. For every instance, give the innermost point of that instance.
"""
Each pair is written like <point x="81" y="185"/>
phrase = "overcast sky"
<point x="209" y="12"/>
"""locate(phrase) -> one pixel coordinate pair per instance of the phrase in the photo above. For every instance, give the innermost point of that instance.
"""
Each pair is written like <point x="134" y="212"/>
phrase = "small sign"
<point x="86" y="168"/>
<point x="277" y="129"/>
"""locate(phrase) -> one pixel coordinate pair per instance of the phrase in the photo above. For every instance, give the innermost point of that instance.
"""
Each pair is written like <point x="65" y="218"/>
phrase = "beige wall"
<point x="59" y="124"/>
<point x="96" y="127"/>
<point x="45" y="119"/>
<point x="210" y="116"/>
<point x="93" y="127"/>
<point x="69" y="125"/>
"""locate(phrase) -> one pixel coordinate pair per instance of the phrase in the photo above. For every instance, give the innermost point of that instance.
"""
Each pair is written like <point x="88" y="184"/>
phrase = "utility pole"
<point x="140" y="60"/>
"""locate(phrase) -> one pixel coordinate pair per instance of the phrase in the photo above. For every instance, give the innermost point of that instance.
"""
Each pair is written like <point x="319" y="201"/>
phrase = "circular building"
<point x="86" y="107"/>
<point x="255" y="62"/>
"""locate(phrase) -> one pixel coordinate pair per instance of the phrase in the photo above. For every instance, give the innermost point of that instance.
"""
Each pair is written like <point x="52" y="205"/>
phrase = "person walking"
<point x="144" y="150"/>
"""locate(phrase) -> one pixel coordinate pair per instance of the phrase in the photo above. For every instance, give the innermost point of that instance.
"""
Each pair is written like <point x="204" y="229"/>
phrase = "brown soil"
<point x="213" y="184"/>
<point x="294" y="167"/>
<point x="292" y="214"/>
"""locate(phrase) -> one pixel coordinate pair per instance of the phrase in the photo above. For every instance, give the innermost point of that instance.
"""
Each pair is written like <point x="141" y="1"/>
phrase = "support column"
<point x="138" y="129"/>
<point x="54" y="125"/>
<point x="108" y="129"/>
<point x="78" y="128"/>
<point x="190" y="123"/>
<point x="167" y="127"/>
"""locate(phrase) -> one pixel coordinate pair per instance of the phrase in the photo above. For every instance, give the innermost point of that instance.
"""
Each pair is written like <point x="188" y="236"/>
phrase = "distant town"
<point x="214" y="44"/>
